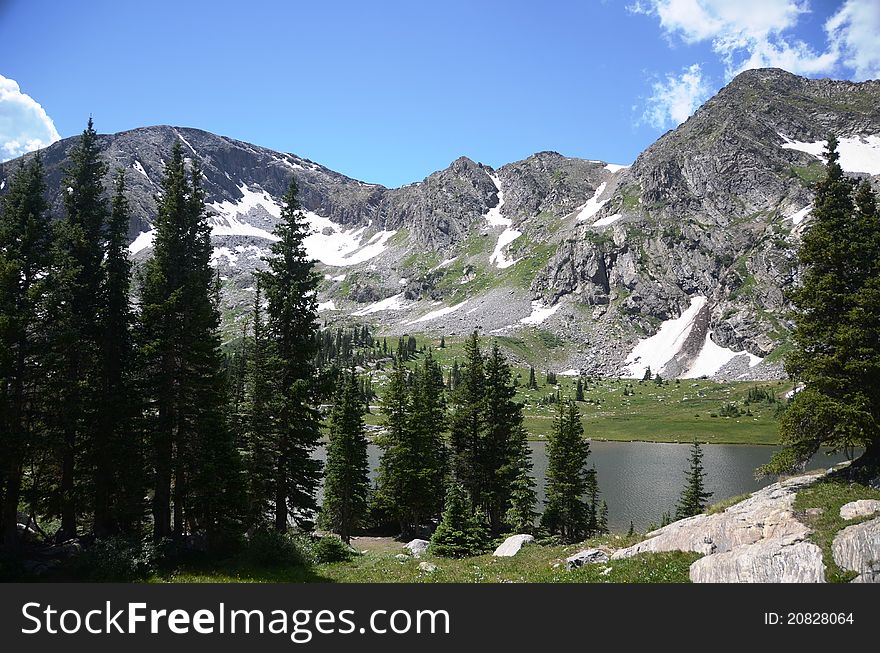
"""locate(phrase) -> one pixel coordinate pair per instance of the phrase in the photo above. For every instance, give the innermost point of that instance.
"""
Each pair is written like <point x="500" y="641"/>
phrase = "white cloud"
<point x="854" y="32"/>
<point x="744" y="34"/>
<point x="675" y="98"/>
<point x="24" y="124"/>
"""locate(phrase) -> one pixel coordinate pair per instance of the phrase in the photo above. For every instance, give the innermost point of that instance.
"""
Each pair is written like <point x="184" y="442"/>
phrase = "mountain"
<point x="679" y="262"/>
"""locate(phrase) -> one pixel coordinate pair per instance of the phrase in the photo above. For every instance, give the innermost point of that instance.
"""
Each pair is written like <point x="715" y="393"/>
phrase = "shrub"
<point x="331" y="549"/>
<point x="116" y="559"/>
<point x="269" y="547"/>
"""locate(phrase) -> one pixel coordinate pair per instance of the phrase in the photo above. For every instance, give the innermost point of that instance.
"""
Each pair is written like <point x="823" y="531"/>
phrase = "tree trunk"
<point x="162" y="491"/>
<point x="68" y="499"/>
<point x="8" y="525"/>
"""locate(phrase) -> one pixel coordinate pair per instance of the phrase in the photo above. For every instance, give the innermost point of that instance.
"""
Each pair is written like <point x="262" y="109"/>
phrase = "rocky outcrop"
<point x="860" y="508"/>
<point x="758" y="540"/>
<point x="767" y="514"/>
<point x="512" y="545"/>
<point x="857" y="548"/>
<point x="786" y="559"/>
<point x="586" y="557"/>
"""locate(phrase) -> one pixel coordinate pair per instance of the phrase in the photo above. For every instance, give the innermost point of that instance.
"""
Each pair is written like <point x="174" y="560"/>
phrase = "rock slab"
<point x="512" y="545"/>
<point x="857" y="548"/>
<point x="860" y="508"/>
<point x="787" y="559"/>
<point x="586" y="557"/>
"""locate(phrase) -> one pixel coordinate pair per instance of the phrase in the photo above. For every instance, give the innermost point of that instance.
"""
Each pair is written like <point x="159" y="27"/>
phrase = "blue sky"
<point x="388" y="92"/>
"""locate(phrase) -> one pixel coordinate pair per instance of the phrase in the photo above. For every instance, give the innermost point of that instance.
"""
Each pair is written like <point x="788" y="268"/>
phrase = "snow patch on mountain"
<point x="659" y="349"/>
<point x="539" y="313"/>
<point x="334" y="245"/>
<point x="614" y="167"/>
<point x="857" y="153"/>
<point x="393" y="303"/>
<point x="494" y="218"/>
<point x="713" y="357"/>
<point x="143" y="241"/>
<point x="798" y="216"/>
<point x="592" y="205"/>
<point x="223" y="252"/>
<point x="327" y="306"/>
<point x="440" y="312"/>
<point x="137" y="165"/>
<point x="607" y="220"/>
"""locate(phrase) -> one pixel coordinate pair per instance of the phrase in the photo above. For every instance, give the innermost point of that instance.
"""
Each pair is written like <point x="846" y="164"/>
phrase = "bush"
<point x="331" y="549"/>
<point x="117" y="559"/>
<point x="271" y="548"/>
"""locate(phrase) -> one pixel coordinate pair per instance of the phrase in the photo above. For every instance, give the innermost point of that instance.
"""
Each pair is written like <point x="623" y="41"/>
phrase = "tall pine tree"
<point x="24" y="247"/>
<point x="196" y="480"/>
<point x="836" y="352"/>
<point x="291" y="327"/>
<point x="694" y="496"/>
<point x="346" y="481"/>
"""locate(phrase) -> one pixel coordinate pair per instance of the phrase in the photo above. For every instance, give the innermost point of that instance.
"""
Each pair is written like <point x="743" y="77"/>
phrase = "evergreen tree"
<point x="24" y="247"/>
<point x="119" y="481"/>
<point x="533" y="382"/>
<point x="566" y="512"/>
<point x="196" y="467"/>
<point x="521" y="514"/>
<point x="694" y="496"/>
<point x="346" y="475"/>
<point x="468" y="423"/>
<point x="459" y="533"/>
<point x="579" y="392"/>
<point x="647" y="376"/>
<point x="836" y="352"/>
<point x="81" y="450"/>
<point x="442" y="342"/>
<point x="454" y="376"/>
<point x="290" y="284"/>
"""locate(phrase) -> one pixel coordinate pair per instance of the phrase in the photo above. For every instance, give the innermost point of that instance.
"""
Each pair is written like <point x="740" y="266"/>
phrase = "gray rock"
<point x="857" y="548"/>
<point x="512" y="545"/>
<point x="402" y="557"/>
<point x="427" y="567"/>
<point x="417" y="547"/>
<point x="860" y="508"/>
<point x="767" y="514"/>
<point x="787" y="559"/>
<point x="586" y="557"/>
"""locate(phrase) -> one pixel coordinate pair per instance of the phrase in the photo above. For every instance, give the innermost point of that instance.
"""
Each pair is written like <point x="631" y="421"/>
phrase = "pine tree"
<point x="521" y="514"/>
<point x="197" y="474"/>
<point x="836" y="352"/>
<point x="579" y="392"/>
<point x="468" y="422"/>
<point x="566" y="511"/>
<point x="459" y="533"/>
<point x="346" y="475"/>
<point x="694" y="496"/>
<point x="290" y="284"/>
<point x="75" y="331"/>
<point x="119" y="480"/>
<point x="454" y="376"/>
<point x="533" y="382"/>
<point x="24" y="247"/>
<point x="442" y="342"/>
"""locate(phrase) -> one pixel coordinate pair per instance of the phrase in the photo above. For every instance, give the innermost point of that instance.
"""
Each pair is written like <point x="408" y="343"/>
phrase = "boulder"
<point x="788" y="559"/>
<point x="427" y="567"/>
<point x="586" y="557"/>
<point x="860" y="508"/>
<point x="767" y="514"/>
<point x="857" y="548"/>
<point x="417" y="547"/>
<point x="402" y="557"/>
<point x="512" y="545"/>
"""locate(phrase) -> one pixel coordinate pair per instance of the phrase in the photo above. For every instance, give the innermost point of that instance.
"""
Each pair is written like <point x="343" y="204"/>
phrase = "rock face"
<point x="767" y="514"/>
<point x="586" y="557"/>
<point x="512" y="545"/>
<point x="860" y="508"/>
<point x="417" y="547"/>
<point x="777" y="560"/>
<point x="857" y="548"/>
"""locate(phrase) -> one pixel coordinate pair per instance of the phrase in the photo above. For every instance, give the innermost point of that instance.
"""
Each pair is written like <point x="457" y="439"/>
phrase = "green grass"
<point x="536" y="564"/>
<point x="829" y="494"/>
<point x="673" y="412"/>
<point x="721" y="506"/>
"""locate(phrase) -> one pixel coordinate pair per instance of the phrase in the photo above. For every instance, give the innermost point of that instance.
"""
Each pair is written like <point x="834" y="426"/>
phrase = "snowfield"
<point x="440" y="312"/>
<point x="614" y="167"/>
<point x="592" y="205"/>
<point x="713" y="357"/>
<point x="494" y="218"/>
<point x="798" y="216"/>
<point x="659" y="349"/>
<point x="857" y="153"/>
<point x="143" y="241"/>
<point x="326" y="306"/>
<point x="607" y="220"/>
<point x="539" y="313"/>
<point x="394" y="303"/>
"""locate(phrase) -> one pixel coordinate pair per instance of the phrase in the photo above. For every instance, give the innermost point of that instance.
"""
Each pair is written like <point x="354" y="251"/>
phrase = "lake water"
<point x="642" y="480"/>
